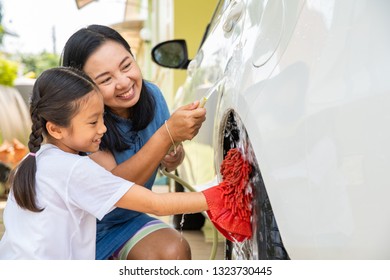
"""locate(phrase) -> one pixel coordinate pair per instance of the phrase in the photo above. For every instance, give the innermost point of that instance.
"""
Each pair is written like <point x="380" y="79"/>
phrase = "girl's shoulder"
<point x="52" y="157"/>
<point x="52" y="150"/>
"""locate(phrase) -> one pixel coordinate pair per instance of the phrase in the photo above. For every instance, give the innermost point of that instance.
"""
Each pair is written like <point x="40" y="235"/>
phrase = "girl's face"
<point x="118" y="76"/>
<point x="86" y="128"/>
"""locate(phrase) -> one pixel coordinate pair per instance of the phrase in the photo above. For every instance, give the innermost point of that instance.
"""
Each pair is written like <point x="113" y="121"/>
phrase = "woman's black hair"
<point x="55" y="98"/>
<point x="79" y="47"/>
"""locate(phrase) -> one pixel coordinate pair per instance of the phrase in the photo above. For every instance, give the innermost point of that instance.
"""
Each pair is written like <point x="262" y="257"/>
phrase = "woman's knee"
<point x="163" y="244"/>
<point x="177" y="249"/>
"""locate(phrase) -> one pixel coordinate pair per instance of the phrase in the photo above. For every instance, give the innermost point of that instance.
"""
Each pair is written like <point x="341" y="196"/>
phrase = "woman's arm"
<point x="142" y="164"/>
<point x="184" y="124"/>
<point x="105" y="159"/>
<point x="144" y="200"/>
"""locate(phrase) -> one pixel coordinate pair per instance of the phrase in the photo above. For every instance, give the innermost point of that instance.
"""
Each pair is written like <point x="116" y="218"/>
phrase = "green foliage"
<point x="37" y="63"/>
<point x="2" y="32"/>
<point x="33" y="64"/>
<point x="8" y="71"/>
<point x="8" y="68"/>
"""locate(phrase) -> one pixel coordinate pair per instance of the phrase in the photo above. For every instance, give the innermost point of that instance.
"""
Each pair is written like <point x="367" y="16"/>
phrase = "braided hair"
<point x="55" y="98"/>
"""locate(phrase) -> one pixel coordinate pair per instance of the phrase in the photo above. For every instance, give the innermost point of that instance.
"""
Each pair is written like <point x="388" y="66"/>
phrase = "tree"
<point x="8" y="71"/>
<point x="32" y="64"/>
<point x="35" y="64"/>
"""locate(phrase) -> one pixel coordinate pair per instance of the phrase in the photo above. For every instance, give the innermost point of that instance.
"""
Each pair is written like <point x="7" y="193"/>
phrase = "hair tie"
<point x="31" y="154"/>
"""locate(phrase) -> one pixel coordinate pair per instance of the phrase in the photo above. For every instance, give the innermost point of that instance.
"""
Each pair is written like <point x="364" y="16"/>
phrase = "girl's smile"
<point x="86" y="129"/>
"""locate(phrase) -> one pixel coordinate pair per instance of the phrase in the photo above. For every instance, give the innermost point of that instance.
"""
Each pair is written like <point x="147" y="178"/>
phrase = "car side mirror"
<point x="171" y="54"/>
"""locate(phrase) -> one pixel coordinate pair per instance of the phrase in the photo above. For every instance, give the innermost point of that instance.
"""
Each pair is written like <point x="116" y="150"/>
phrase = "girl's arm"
<point x="144" y="200"/>
<point x="184" y="124"/>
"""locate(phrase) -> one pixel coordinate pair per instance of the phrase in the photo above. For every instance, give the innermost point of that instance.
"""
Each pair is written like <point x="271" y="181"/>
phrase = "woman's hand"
<point x="171" y="161"/>
<point x="185" y="122"/>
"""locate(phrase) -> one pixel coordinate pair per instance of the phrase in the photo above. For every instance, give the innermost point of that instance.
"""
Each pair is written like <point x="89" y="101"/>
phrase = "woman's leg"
<point x="162" y="244"/>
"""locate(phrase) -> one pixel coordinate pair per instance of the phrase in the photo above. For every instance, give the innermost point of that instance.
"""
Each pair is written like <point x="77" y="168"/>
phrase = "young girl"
<point x="136" y="143"/>
<point x="57" y="192"/>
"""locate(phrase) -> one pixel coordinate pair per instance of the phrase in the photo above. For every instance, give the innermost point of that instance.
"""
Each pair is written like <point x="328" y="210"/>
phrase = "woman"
<point x="139" y="136"/>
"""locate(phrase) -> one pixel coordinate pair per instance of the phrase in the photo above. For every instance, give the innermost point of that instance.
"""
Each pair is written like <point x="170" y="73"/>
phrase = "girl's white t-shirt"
<point x="74" y="191"/>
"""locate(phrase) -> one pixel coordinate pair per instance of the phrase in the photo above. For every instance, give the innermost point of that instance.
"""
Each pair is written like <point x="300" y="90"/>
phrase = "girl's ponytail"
<point x="22" y="178"/>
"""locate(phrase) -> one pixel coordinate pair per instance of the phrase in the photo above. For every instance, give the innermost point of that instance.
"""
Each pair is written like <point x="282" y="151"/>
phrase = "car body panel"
<point x="309" y="80"/>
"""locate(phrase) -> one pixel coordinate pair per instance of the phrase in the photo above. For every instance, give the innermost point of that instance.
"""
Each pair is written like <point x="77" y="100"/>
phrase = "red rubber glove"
<point x="230" y="202"/>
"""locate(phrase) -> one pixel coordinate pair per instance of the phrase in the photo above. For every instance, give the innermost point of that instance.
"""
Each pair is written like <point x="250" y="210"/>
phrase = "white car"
<point x="303" y="88"/>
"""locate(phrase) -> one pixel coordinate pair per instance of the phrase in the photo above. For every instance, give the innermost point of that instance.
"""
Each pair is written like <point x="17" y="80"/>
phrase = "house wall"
<point x="177" y="19"/>
<point x="190" y="21"/>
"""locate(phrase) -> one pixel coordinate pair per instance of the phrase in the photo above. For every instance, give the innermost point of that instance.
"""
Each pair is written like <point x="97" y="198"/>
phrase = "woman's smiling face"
<point x="118" y="76"/>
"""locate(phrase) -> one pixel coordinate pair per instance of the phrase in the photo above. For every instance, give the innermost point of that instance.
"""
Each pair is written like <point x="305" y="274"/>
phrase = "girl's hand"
<point x="171" y="161"/>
